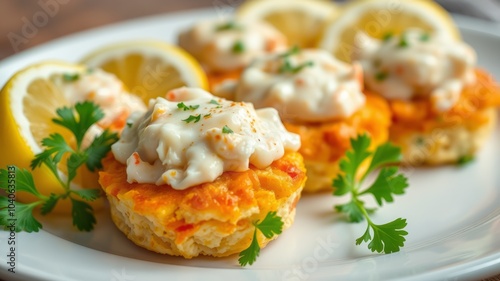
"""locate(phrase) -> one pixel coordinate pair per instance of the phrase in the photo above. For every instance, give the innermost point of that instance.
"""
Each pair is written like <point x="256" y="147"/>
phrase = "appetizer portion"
<point x="319" y="98"/>
<point x="443" y="107"/>
<point x="225" y="47"/>
<point x="192" y="175"/>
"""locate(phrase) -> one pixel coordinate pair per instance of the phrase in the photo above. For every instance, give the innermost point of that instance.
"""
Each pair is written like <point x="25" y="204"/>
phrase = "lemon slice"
<point x="149" y="68"/>
<point x="301" y="21"/>
<point x="28" y="102"/>
<point x="380" y="17"/>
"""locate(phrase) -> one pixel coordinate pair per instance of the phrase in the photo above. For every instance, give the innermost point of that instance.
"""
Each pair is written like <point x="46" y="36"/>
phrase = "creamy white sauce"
<point x="313" y="87"/>
<point x="225" y="45"/>
<point x="192" y="137"/>
<point x="416" y="64"/>
<point x="105" y="90"/>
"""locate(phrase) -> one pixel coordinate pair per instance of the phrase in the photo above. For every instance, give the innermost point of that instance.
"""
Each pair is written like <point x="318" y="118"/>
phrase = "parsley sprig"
<point x="56" y="148"/>
<point x="389" y="237"/>
<point x="288" y="67"/>
<point x="270" y="226"/>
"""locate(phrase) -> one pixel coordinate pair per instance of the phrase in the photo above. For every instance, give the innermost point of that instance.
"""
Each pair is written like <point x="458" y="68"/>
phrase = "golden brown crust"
<point x="323" y="144"/>
<point x="429" y="137"/>
<point x="209" y="219"/>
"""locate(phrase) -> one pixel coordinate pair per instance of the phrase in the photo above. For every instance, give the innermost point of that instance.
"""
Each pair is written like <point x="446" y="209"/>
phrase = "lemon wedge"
<point x="378" y="18"/>
<point x="301" y="21"/>
<point x="28" y="102"/>
<point x="149" y="69"/>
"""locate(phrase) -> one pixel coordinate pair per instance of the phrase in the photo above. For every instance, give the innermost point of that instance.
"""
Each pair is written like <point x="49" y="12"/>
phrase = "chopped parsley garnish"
<point x="231" y="25"/>
<point x="287" y="67"/>
<point x="381" y="76"/>
<point x="214" y="102"/>
<point x="55" y="150"/>
<point x="293" y="51"/>
<point x="464" y="160"/>
<point x="389" y="237"/>
<point x="387" y="36"/>
<point x="403" y="41"/>
<point x="193" y="118"/>
<point x="270" y="226"/>
<point x="184" y="107"/>
<point x="226" y="130"/>
<point x="71" y="77"/>
<point x="425" y="37"/>
<point x="238" y="47"/>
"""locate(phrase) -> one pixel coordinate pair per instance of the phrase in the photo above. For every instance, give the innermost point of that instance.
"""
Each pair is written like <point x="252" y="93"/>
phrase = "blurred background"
<point x="56" y="18"/>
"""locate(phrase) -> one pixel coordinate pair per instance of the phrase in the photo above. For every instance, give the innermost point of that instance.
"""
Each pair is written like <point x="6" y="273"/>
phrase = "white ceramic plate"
<point x="453" y="213"/>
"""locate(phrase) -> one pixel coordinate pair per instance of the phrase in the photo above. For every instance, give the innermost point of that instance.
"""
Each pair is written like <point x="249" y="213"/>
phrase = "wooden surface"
<point x="27" y="23"/>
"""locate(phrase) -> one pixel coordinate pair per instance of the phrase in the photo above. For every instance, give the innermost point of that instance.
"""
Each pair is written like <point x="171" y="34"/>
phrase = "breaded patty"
<point x="208" y="219"/>
<point x="324" y="144"/>
<point x="427" y="137"/>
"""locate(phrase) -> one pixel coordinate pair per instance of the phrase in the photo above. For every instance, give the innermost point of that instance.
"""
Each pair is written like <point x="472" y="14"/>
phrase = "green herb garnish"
<point x="231" y="25"/>
<point x="287" y="67"/>
<point x="387" y="36"/>
<point x="381" y="76"/>
<point x="193" y="118"/>
<point x="403" y="41"/>
<point x="238" y="47"/>
<point x="55" y="148"/>
<point x="464" y="160"/>
<point x="214" y="102"/>
<point x="389" y="237"/>
<point x="71" y="77"/>
<point x="425" y="37"/>
<point x="293" y="51"/>
<point x="270" y="226"/>
<point x="184" y="107"/>
<point x="226" y="130"/>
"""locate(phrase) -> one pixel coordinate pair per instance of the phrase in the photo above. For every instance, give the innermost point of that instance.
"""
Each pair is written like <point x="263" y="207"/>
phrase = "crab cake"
<point x="225" y="47"/>
<point x="191" y="176"/>
<point x="443" y="107"/>
<point x="319" y="98"/>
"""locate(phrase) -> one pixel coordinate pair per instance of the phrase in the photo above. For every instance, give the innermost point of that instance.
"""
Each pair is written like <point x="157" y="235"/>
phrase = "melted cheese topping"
<point x="193" y="137"/>
<point x="308" y="85"/>
<point x="416" y="64"/>
<point x="230" y="45"/>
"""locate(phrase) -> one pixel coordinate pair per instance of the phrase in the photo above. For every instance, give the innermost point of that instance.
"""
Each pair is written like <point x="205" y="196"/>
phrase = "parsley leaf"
<point x="250" y="254"/>
<point x="226" y="130"/>
<point x="425" y="37"/>
<point x="238" y="47"/>
<point x="270" y="226"/>
<point x="23" y="216"/>
<point x="83" y="217"/>
<point x="464" y="160"/>
<point x="98" y="149"/>
<point x="49" y="204"/>
<point x="55" y="144"/>
<point x="214" y="102"/>
<point x="184" y="107"/>
<point x="403" y="41"/>
<point x="387" y="238"/>
<point x="88" y="194"/>
<point x="67" y="77"/>
<point x="56" y="148"/>
<point x="194" y="119"/>
<point x="231" y="25"/>
<point x="88" y="114"/>
<point x="293" y="51"/>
